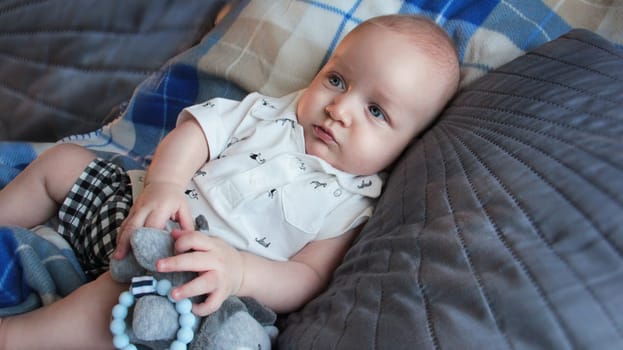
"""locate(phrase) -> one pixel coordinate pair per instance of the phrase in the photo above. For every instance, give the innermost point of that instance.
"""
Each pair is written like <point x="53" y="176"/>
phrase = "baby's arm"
<point x="286" y="286"/>
<point x="224" y="271"/>
<point x="180" y="154"/>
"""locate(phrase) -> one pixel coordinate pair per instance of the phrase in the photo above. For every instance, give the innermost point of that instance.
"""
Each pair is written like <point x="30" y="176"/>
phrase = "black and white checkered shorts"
<point x="91" y="214"/>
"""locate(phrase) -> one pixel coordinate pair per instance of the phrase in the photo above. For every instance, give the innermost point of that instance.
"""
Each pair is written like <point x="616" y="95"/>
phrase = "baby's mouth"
<point x="324" y="134"/>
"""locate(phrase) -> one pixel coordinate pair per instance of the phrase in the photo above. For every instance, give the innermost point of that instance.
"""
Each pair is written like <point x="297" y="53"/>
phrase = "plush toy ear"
<point x="123" y="270"/>
<point x="150" y="245"/>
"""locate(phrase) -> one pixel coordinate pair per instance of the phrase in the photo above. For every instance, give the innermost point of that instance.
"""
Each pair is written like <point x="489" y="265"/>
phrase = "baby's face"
<point x="373" y="96"/>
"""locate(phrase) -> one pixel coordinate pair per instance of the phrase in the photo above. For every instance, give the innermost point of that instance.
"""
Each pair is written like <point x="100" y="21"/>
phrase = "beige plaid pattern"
<point x="276" y="47"/>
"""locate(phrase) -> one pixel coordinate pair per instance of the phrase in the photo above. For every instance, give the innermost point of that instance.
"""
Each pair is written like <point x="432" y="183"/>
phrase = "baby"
<point x="280" y="186"/>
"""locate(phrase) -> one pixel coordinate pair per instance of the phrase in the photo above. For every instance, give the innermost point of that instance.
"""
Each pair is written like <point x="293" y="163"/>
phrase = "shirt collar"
<point x="282" y="107"/>
<point x="365" y="185"/>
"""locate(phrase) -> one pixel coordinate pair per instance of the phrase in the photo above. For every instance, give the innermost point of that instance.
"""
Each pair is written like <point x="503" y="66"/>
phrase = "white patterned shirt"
<point x="259" y="191"/>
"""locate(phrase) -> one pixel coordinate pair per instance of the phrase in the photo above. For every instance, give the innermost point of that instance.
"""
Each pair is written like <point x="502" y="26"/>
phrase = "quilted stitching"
<point x="501" y="228"/>
<point x="64" y="64"/>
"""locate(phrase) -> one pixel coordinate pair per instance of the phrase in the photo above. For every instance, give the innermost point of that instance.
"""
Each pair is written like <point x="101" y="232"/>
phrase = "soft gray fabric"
<point x="238" y="324"/>
<point x="500" y="228"/>
<point x="148" y="246"/>
<point x="159" y="309"/>
<point x="64" y="64"/>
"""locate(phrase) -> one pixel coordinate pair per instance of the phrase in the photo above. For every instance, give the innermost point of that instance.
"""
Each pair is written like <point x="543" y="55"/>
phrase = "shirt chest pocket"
<point x="306" y="204"/>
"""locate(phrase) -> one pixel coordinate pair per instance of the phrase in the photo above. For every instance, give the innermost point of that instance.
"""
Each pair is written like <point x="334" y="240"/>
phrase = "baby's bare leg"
<point x="79" y="321"/>
<point x="36" y="193"/>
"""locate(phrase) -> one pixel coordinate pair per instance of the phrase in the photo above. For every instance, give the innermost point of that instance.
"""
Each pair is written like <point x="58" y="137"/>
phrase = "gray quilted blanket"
<point x="66" y="65"/>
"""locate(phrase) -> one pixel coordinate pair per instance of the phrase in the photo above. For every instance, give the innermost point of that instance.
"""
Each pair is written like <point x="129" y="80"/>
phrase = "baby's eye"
<point x="376" y="112"/>
<point x="336" y="81"/>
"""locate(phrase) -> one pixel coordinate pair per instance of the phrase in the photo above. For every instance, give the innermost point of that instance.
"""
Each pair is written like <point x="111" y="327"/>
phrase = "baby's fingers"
<point x="206" y="283"/>
<point x="135" y="220"/>
<point x="123" y="236"/>
<point x="157" y="219"/>
<point x="123" y="246"/>
<point x="184" y="218"/>
<point x="212" y="303"/>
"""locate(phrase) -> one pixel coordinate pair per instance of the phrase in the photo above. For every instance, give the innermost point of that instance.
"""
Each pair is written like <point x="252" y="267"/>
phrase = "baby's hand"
<point x="157" y="203"/>
<point x="219" y="265"/>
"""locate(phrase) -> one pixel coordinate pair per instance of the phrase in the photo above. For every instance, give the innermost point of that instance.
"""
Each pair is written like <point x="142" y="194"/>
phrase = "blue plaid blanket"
<point x="274" y="48"/>
<point x="37" y="268"/>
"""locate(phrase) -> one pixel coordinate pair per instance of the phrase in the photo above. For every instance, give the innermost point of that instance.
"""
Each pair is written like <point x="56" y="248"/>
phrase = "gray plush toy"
<point x="240" y="323"/>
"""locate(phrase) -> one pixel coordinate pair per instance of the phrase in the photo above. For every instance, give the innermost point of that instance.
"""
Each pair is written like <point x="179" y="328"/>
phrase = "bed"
<point x="501" y="227"/>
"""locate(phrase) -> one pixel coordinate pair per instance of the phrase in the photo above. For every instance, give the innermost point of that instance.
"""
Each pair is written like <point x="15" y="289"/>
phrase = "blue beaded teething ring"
<point x="146" y="285"/>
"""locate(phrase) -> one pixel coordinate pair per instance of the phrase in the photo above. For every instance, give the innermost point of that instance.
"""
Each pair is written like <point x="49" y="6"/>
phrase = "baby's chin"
<point x="324" y="152"/>
<point x="357" y="169"/>
<point x="347" y="168"/>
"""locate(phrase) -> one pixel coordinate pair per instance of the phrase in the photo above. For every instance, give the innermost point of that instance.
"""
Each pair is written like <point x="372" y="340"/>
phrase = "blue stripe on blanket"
<point x="347" y="15"/>
<point x="533" y="23"/>
<point x="47" y="270"/>
<point x="470" y="11"/>
<point x="461" y="19"/>
<point x="155" y="106"/>
<point x="13" y="286"/>
<point x="14" y="157"/>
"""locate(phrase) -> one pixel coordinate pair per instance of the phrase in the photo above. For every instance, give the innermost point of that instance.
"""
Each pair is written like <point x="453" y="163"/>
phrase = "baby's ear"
<point x="150" y="245"/>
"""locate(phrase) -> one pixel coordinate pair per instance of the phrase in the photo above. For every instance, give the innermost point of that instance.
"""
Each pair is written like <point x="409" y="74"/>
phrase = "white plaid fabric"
<point x="92" y="213"/>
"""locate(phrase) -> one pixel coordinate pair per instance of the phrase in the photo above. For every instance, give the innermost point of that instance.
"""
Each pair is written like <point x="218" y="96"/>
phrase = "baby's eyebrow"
<point x="382" y="98"/>
<point x="339" y="65"/>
